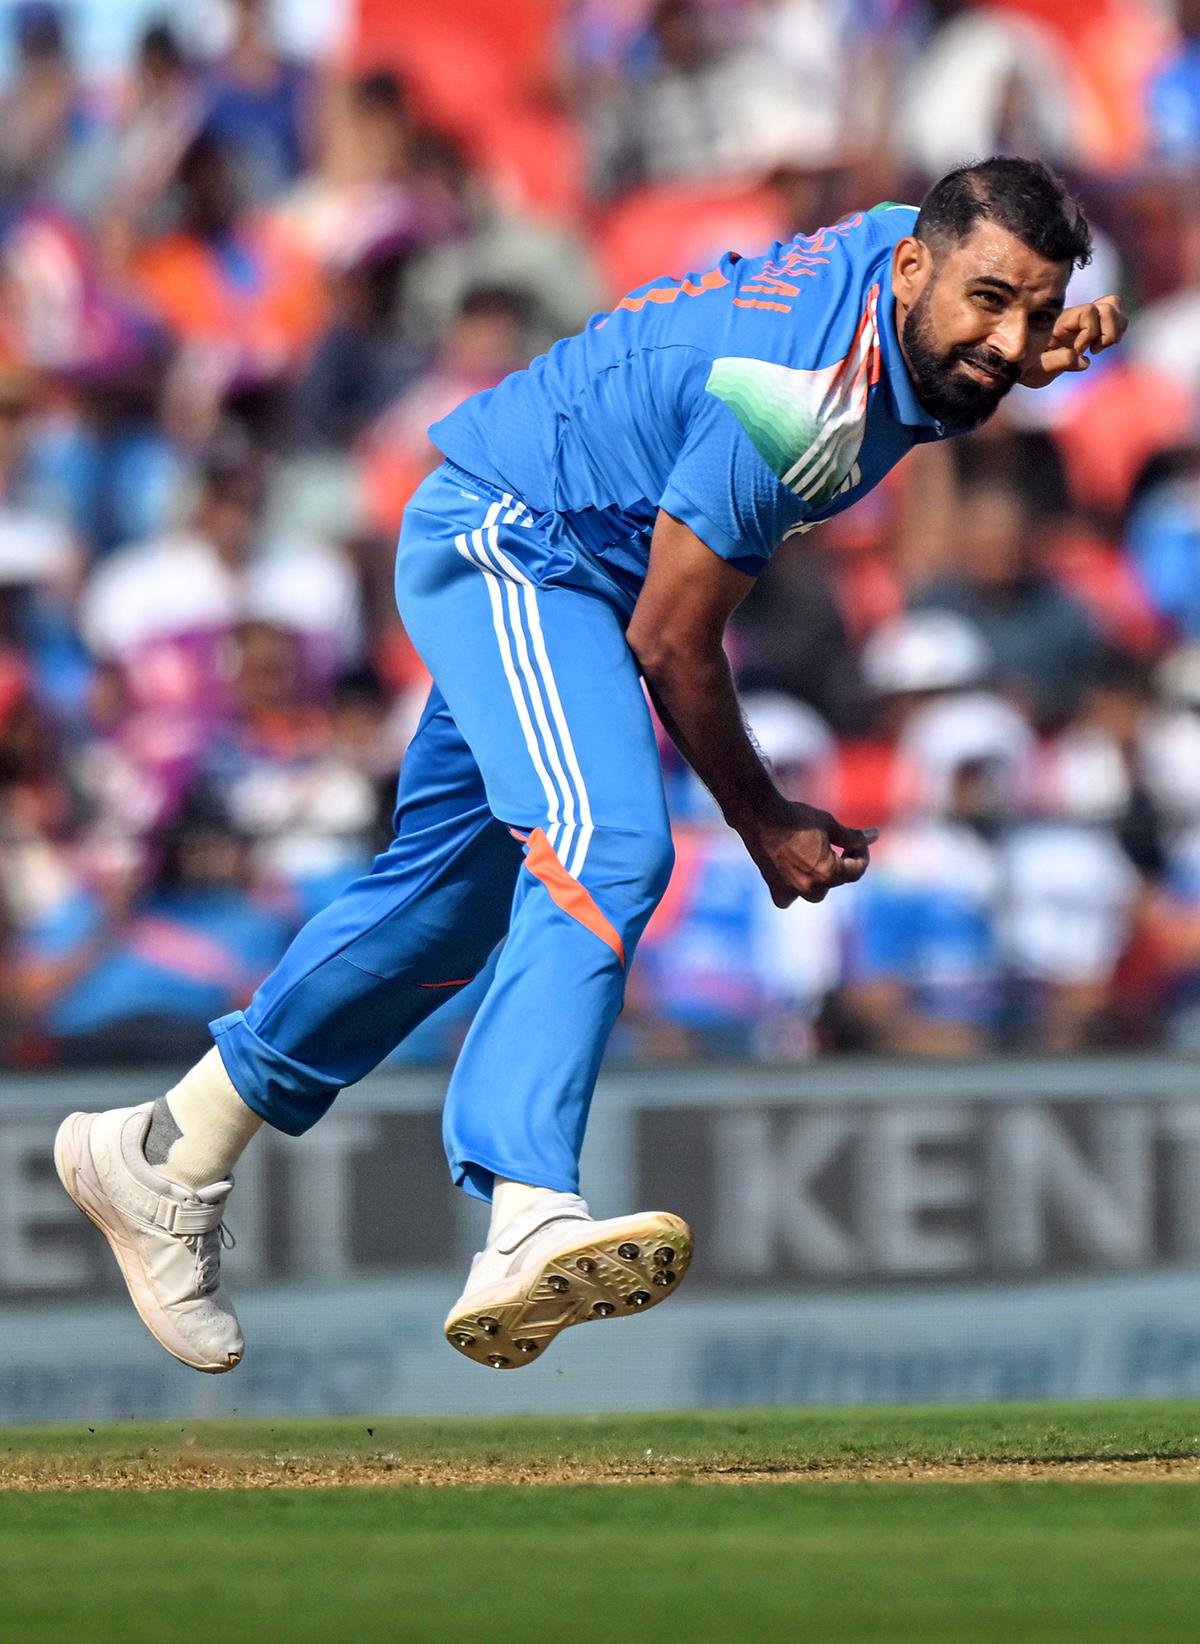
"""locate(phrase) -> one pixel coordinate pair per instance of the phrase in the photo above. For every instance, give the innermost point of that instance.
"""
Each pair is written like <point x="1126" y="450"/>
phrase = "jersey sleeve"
<point x="722" y="488"/>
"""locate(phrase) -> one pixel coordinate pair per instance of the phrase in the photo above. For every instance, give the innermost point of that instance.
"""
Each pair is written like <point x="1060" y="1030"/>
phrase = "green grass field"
<point x="1030" y="1523"/>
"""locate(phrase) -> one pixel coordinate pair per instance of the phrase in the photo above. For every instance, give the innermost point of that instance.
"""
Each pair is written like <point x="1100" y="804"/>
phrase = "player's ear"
<point x="912" y="268"/>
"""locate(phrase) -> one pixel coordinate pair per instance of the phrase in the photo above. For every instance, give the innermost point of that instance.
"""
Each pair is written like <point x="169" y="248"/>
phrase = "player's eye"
<point x="991" y="300"/>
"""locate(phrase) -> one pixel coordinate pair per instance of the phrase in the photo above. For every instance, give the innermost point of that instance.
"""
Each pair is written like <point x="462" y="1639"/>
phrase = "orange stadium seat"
<point x="485" y="74"/>
<point x="1118" y="421"/>
<point x="865" y="783"/>
<point x="1113" y="45"/>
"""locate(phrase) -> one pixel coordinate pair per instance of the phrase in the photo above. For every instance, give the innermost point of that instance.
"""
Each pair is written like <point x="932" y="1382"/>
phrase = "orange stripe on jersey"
<point x="459" y="982"/>
<point x="569" y="894"/>
<point x="753" y="302"/>
<point x="712" y="281"/>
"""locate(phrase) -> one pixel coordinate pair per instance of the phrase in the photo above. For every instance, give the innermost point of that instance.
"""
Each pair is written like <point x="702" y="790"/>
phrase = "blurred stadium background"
<point x="247" y="253"/>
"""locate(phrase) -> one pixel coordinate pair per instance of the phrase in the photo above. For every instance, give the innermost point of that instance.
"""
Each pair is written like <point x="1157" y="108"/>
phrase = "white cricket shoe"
<point x="554" y="1266"/>
<point x="167" y="1239"/>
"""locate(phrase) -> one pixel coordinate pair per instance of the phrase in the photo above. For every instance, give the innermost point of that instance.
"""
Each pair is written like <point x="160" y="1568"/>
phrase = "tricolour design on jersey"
<point x="807" y="426"/>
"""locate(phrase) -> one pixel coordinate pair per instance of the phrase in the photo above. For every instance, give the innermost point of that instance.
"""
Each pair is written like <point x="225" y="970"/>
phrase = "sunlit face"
<point x="973" y="318"/>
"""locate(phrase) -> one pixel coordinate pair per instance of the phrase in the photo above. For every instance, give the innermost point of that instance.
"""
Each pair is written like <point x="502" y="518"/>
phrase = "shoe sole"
<point x="510" y="1325"/>
<point x="71" y="1149"/>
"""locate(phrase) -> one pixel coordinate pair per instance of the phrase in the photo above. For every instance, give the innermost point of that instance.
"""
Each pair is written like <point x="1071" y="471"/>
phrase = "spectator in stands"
<point x="1173" y="93"/>
<point x="489" y="240"/>
<point x="1068" y="832"/>
<point x="1042" y="641"/>
<point x="917" y="657"/>
<point x="196" y="239"/>
<point x="38" y="810"/>
<point x="260" y="103"/>
<point x="366" y="161"/>
<point x="239" y="296"/>
<point x="389" y="216"/>
<point x="1071" y="895"/>
<point x="924" y="967"/>
<point x="486" y="341"/>
<point x="134" y="160"/>
<point x="1166" y="981"/>
<point x="81" y="443"/>
<point x="370" y="732"/>
<point x="1169" y="743"/>
<point x="37" y="804"/>
<point x="164" y="610"/>
<point x="1162" y="225"/>
<point x="39" y="568"/>
<point x="789" y="635"/>
<point x="1164" y="538"/>
<point x="912" y="659"/>
<point x="1063" y="896"/>
<point x="700" y="111"/>
<point x="988" y="81"/>
<point x="281" y="781"/>
<point x="45" y="121"/>
<point x="141" y="971"/>
<point x="1098" y="770"/>
<point x="841" y="58"/>
<point x="366" y="357"/>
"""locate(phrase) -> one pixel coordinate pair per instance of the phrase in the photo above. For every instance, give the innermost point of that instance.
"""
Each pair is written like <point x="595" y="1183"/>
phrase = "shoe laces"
<point x="207" y="1248"/>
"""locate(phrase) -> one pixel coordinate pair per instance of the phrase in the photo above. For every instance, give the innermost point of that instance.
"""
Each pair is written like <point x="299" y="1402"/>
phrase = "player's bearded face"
<point x="944" y="388"/>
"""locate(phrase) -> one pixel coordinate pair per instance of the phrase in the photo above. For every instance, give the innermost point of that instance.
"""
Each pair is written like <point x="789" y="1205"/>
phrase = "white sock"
<point x="201" y="1126"/>
<point x="512" y="1199"/>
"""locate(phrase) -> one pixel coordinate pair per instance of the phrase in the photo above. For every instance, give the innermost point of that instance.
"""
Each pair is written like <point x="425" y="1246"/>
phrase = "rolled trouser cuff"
<point x="286" y="1094"/>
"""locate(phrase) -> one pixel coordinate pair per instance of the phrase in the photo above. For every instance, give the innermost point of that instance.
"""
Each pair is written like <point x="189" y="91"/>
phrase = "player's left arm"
<point x="1079" y="332"/>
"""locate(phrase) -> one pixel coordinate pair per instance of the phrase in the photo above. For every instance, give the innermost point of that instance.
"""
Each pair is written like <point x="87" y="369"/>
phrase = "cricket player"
<point x="596" y="520"/>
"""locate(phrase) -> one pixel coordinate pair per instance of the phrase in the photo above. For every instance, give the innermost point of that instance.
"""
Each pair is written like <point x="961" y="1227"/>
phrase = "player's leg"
<point x="367" y="969"/>
<point x="356" y="980"/>
<point x="554" y="711"/>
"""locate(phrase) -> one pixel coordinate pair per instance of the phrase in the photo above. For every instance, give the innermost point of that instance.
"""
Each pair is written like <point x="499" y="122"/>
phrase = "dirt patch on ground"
<point x="196" y="1472"/>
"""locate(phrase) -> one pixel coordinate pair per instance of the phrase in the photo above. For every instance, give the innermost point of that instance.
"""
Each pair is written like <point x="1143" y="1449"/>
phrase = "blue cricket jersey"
<point x="750" y="401"/>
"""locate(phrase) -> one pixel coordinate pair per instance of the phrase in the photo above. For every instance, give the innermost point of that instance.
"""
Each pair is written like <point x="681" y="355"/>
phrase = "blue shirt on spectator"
<point x="925" y="916"/>
<point x="1173" y="104"/>
<point x="189" y="955"/>
<point x="1164" y="542"/>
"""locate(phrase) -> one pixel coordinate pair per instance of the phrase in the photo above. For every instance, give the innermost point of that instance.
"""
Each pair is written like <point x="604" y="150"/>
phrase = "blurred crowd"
<point x="244" y="264"/>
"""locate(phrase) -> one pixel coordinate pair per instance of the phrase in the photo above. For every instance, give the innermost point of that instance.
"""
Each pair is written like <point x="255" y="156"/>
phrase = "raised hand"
<point x="1079" y="332"/>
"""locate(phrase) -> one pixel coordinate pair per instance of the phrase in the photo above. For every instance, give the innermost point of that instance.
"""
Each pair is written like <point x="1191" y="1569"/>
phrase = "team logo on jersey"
<point x="807" y="426"/>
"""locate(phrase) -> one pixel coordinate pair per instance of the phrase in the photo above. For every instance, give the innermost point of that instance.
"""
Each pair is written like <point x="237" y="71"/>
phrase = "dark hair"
<point x="380" y="89"/>
<point x="1024" y="460"/>
<point x="230" y="453"/>
<point x="505" y="302"/>
<point x="37" y="27"/>
<point x="159" y="45"/>
<point x="1023" y="196"/>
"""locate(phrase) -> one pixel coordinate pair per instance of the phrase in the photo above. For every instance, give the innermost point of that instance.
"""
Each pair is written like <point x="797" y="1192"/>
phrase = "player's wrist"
<point x="758" y="811"/>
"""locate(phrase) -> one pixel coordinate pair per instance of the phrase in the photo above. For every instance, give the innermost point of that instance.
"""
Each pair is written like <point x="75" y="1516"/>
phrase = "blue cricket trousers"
<point x="531" y="808"/>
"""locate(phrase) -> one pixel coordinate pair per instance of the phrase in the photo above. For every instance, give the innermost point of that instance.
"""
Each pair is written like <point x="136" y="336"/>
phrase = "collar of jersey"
<point x="908" y="407"/>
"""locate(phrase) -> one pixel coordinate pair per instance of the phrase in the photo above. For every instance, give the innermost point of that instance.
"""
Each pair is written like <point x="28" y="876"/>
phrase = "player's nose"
<point x="1011" y="338"/>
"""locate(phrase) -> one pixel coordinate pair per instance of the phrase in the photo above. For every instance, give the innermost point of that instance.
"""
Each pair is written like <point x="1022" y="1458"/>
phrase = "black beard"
<point x="947" y="393"/>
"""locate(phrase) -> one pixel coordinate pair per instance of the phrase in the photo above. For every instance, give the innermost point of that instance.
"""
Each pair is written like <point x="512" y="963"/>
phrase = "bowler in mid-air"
<point x="595" y="521"/>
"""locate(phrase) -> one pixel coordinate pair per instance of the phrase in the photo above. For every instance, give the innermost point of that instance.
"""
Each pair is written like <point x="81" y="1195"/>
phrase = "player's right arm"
<point x="676" y="633"/>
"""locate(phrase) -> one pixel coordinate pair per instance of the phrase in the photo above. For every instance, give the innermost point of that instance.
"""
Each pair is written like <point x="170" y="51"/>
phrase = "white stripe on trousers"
<point x="537" y="673"/>
<point x="529" y="591"/>
<point x="506" y="658"/>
